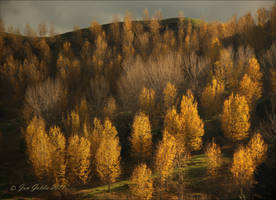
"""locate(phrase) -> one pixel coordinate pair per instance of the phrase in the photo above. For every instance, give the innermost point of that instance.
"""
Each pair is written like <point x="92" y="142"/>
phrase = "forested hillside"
<point x="153" y="109"/>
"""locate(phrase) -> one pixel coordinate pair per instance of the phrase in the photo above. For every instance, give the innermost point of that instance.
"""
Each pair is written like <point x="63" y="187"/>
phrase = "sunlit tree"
<point x="141" y="186"/>
<point x="107" y="157"/>
<point x="235" y="117"/>
<point x="169" y="93"/>
<point x="141" y="138"/>
<point x="212" y="98"/>
<point x="39" y="148"/>
<point x="192" y="124"/>
<point x="253" y="70"/>
<point x="257" y="148"/>
<point x="251" y="90"/>
<point x="78" y="163"/>
<point x="214" y="155"/>
<point x="128" y="49"/>
<point x="165" y="155"/>
<point x="242" y="169"/>
<point x="58" y="143"/>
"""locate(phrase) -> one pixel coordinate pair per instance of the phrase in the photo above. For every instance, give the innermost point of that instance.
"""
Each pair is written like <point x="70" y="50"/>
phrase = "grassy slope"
<point x="196" y="178"/>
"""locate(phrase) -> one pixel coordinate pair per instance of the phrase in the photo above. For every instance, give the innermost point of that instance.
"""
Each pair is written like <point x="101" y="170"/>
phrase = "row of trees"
<point x="97" y="146"/>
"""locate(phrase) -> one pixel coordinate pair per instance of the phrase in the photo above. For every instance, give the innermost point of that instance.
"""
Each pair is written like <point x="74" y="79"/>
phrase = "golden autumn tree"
<point x="141" y="186"/>
<point x="141" y="138"/>
<point x="192" y="124"/>
<point x="39" y="148"/>
<point x="186" y="126"/>
<point x="212" y="98"/>
<point x="251" y="90"/>
<point x="235" y="117"/>
<point x="257" y="148"/>
<point x="213" y="152"/>
<point x="169" y="94"/>
<point x="58" y="142"/>
<point x="99" y="54"/>
<point x="242" y="169"/>
<point x="78" y="163"/>
<point x="107" y="157"/>
<point x="96" y="136"/>
<point x="253" y="70"/>
<point x="95" y="28"/>
<point x="128" y="49"/>
<point x="165" y="155"/>
<point x="63" y="67"/>
<point x="86" y="52"/>
<point x="172" y="122"/>
<point x="262" y="16"/>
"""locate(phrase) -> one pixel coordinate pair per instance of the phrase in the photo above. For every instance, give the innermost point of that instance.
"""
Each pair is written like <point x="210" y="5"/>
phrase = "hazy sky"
<point x="65" y="14"/>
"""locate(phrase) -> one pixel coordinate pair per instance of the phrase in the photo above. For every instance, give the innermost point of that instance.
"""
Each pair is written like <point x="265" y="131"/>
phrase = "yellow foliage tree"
<point x="251" y="90"/>
<point x="58" y="142"/>
<point x="225" y="71"/>
<point x="214" y="155"/>
<point x="141" y="138"/>
<point x="96" y="136"/>
<point x="128" y="49"/>
<point x="172" y="122"/>
<point x="99" y="53"/>
<point x="39" y="148"/>
<point x="78" y="153"/>
<point x="165" y="155"/>
<point x="141" y="186"/>
<point x="253" y="70"/>
<point x="107" y="157"/>
<point x="212" y="98"/>
<point x="186" y="126"/>
<point x="243" y="168"/>
<point x="257" y="148"/>
<point x="169" y="93"/>
<point x="95" y="28"/>
<point x="34" y="125"/>
<point x="235" y="117"/>
<point x="192" y="125"/>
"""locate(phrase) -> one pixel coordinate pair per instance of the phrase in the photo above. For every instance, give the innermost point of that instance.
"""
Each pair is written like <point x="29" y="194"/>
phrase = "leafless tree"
<point x="46" y="99"/>
<point x="195" y="68"/>
<point x="98" y="93"/>
<point x="269" y="57"/>
<point x="154" y="73"/>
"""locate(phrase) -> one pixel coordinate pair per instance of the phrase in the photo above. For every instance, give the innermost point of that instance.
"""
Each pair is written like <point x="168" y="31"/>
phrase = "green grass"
<point x="90" y="193"/>
<point x="195" y="179"/>
<point x="196" y="168"/>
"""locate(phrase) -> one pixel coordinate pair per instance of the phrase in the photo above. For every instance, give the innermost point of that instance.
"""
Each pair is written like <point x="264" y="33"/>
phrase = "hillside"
<point x="175" y="108"/>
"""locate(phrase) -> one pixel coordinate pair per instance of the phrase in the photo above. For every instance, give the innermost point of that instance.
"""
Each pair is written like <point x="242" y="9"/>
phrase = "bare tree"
<point x="195" y="67"/>
<point x="99" y="93"/>
<point x="154" y="73"/>
<point x="46" y="99"/>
